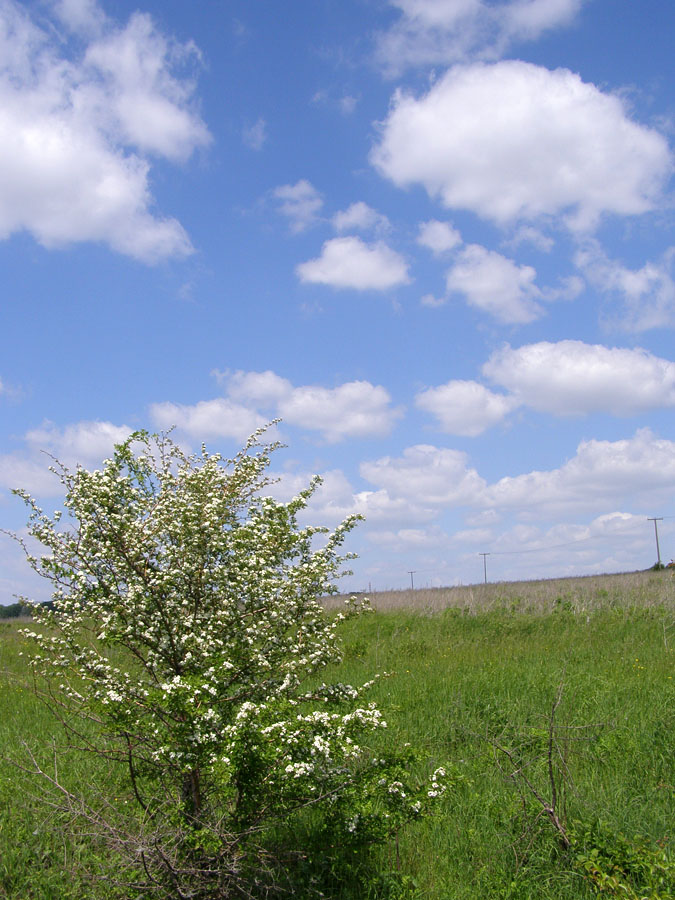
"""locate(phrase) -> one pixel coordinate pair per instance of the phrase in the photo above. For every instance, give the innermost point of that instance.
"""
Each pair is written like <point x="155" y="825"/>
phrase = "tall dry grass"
<point x="584" y="594"/>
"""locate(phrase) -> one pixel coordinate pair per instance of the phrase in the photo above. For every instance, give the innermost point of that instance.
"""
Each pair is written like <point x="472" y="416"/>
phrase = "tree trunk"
<point x="192" y="798"/>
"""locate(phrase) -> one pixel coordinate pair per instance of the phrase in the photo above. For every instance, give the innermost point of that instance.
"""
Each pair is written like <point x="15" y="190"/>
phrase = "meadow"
<point x="551" y="706"/>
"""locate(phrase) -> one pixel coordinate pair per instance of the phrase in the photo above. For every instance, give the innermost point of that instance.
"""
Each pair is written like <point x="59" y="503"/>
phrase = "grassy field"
<point x="474" y="673"/>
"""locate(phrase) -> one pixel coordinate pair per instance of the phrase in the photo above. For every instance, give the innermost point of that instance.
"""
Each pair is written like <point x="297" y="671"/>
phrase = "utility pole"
<point x="412" y="583"/>
<point x="656" y="519"/>
<point x="484" y="555"/>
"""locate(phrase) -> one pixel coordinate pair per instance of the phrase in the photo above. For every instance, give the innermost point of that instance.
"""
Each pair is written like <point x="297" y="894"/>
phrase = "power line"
<point x="592" y="537"/>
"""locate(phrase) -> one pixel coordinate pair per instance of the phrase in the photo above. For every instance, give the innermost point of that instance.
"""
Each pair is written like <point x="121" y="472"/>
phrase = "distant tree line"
<point x="14" y="610"/>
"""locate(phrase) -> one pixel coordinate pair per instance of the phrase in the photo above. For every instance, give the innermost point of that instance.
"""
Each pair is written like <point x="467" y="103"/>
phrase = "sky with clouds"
<point x="434" y="237"/>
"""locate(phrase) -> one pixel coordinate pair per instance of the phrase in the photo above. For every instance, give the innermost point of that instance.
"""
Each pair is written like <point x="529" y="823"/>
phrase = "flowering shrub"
<point x="187" y="629"/>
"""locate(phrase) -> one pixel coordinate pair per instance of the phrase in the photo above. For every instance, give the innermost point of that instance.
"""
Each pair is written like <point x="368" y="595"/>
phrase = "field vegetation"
<point x="551" y="705"/>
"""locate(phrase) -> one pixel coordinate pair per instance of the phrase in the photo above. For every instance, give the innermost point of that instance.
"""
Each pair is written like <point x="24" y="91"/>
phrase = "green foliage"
<point x="636" y="869"/>
<point x="14" y="611"/>
<point x="185" y="646"/>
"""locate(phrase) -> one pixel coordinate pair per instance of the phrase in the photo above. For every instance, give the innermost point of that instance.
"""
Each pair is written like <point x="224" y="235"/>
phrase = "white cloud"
<point x="80" y="16"/>
<point x="574" y="378"/>
<point x="263" y="388"/>
<point x="609" y="542"/>
<point x="300" y="203"/>
<point x="530" y="18"/>
<point x="150" y="106"/>
<point x="527" y="234"/>
<point x="348" y="262"/>
<point x="439" y="237"/>
<point x="407" y="540"/>
<point x="647" y="295"/>
<point x="218" y="418"/>
<point x="17" y="579"/>
<point x="360" y="217"/>
<point x="254" y="136"/>
<point x="474" y="536"/>
<point x="465" y="408"/>
<point x="525" y="142"/>
<point x="602" y="475"/>
<point x="85" y="443"/>
<point x="355" y="409"/>
<point x="336" y="499"/>
<point x="568" y="288"/>
<point x="637" y="471"/>
<point x="563" y="536"/>
<point x="495" y="284"/>
<point x="77" y="134"/>
<point x="32" y="475"/>
<point x="427" y="475"/>
<point x="352" y="410"/>
<point x="445" y="31"/>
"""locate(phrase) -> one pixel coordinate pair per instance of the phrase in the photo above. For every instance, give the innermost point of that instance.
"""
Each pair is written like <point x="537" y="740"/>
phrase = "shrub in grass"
<point x="185" y="645"/>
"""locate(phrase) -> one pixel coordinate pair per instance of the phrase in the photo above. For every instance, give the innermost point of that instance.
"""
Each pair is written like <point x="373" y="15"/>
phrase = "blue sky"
<point x="435" y="237"/>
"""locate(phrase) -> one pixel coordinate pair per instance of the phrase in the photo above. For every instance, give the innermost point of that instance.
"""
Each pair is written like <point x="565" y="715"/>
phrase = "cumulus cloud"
<point x="78" y="133"/>
<point x="336" y="499"/>
<point x="355" y="409"/>
<point x="525" y="142"/>
<point x="348" y="262"/>
<point x="465" y="408"/>
<point x="439" y="237"/>
<point x="300" y="203"/>
<point x="150" y="106"/>
<point x="360" y="217"/>
<point x="646" y="295"/>
<point x="85" y="443"/>
<point x="495" y="284"/>
<point x="637" y="471"/>
<point x="426" y="475"/>
<point x="261" y="388"/>
<point x="574" y="378"/>
<point x="567" y="378"/>
<point x="602" y="475"/>
<point x="218" y="418"/>
<point x="430" y="32"/>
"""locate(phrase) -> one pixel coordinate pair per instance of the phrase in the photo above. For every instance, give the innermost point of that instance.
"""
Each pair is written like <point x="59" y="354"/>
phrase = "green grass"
<point x="462" y="678"/>
<point x="459" y="682"/>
